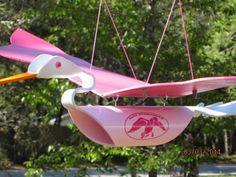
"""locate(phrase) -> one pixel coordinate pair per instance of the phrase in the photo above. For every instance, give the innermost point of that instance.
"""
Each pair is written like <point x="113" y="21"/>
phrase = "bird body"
<point x="148" y="126"/>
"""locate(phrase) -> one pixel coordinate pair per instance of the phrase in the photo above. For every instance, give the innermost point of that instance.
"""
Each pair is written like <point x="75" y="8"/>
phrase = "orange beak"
<point x="17" y="77"/>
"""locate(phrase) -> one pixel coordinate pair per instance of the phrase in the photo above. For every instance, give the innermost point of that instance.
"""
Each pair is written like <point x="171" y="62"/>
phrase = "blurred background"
<point x="32" y="132"/>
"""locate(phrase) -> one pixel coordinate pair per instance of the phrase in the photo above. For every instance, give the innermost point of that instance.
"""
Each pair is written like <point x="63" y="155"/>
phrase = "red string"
<point x="119" y="38"/>
<point x="186" y="39"/>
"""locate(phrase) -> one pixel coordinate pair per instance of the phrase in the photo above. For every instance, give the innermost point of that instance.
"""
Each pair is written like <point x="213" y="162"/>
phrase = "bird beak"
<point x="18" y="77"/>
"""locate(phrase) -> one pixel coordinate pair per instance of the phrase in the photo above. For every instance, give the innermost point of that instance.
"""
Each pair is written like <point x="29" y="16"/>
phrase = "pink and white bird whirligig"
<point x="115" y="125"/>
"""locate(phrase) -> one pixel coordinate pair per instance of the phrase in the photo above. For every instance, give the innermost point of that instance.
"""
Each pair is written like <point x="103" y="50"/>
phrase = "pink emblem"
<point x="142" y="126"/>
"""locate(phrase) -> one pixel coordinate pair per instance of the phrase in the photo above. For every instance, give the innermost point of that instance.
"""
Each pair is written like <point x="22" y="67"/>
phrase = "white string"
<point x="161" y="40"/>
<point x="95" y="36"/>
<point x="116" y="100"/>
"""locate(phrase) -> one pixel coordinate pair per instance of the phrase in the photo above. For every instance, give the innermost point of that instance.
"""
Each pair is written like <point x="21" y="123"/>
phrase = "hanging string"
<point x="186" y="39"/>
<point x="95" y="36"/>
<point x="119" y="38"/>
<point x="161" y="40"/>
<point x="116" y="100"/>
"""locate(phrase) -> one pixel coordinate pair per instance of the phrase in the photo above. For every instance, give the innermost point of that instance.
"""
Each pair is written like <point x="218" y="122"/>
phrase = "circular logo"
<point x="145" y="125"/>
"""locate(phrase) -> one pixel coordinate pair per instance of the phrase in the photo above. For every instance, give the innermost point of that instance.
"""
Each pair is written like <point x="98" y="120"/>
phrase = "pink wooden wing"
<point x="25" y="47"/>
<point x="109" y="125"/>
<point x="107" y="81"/>
<point x="175" y="89"/>
<point x="29" y="41"/>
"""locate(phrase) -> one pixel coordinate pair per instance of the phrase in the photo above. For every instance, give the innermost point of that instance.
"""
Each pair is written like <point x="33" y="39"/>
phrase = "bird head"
<point x="48" y="66"/>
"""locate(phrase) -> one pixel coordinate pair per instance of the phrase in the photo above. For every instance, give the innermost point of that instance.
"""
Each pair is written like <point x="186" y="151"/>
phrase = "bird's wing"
<point x="159" y="124"/>
<point x="106" y="81"/>
<point x="24" y="47"/>
<point x="138" y="124"/>
<point x="176" y="89"/>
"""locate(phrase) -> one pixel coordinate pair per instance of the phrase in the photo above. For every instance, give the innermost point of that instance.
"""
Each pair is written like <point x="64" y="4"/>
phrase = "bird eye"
<point x="58" y="64"/>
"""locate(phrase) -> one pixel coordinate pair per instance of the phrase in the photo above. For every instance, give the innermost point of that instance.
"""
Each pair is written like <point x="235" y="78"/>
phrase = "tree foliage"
<point x="70" y="25"/>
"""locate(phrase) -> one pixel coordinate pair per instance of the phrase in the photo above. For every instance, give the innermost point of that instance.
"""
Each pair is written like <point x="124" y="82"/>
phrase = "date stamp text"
<point x="208" y="152"/>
